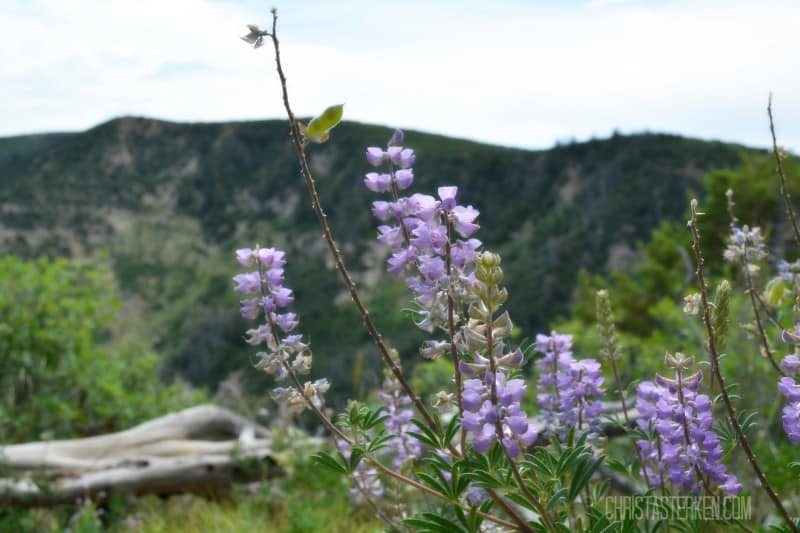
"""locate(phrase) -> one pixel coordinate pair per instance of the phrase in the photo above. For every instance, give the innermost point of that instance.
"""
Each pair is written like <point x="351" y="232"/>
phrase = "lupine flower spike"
<point x="684" y="447"/>
<point x="285" y="352"/>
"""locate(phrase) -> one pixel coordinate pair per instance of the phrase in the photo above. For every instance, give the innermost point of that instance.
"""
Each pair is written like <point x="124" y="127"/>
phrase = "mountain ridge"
<point x="170" y="201"/>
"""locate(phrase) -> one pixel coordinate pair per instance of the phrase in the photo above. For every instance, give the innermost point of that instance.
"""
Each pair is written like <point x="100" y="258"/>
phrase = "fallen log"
<point x="201" y="449"/>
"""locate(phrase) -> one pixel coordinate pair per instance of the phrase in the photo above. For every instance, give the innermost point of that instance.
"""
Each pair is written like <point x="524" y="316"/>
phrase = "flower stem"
<point x="715" y="371"/>
<point x="787" y="200"/>
<point x="752" y="292"/>
<point x="331" y="242"/>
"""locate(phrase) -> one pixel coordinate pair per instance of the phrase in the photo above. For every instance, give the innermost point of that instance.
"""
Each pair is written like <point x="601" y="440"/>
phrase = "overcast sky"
<point x="521" y="73"/>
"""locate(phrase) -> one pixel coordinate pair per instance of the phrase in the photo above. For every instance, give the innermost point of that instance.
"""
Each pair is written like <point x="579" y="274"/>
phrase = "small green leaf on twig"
<point x="318" y="130"/>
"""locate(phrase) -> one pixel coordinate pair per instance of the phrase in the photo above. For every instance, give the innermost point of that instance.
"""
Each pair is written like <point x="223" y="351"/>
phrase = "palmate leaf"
<point x="373" y="417"/>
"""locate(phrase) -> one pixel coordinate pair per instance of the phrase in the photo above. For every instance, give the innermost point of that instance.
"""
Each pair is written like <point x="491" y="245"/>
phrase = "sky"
<point x="511" y="72"/>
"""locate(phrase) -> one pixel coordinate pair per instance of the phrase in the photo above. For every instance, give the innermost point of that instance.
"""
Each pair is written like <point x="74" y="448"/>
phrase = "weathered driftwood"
<point x="201" y="449"/>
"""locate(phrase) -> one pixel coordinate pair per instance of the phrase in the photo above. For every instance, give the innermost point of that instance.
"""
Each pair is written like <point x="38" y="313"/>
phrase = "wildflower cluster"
<point x="789" y="271"/>
<point x="491" y="400"/>
<point x="418" y="232"/>
<point x="403" y="444"/>
<point x="790" y="388"/>
<point x="287" y="355"/>
<point x="570" y="389"/>
<point x="746" y="247"/>
<point x="683" y="446"/>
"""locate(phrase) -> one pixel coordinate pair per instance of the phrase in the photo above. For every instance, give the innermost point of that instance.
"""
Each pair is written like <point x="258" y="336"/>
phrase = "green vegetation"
<point x="168" y="203"/>
<point x="648" y="301"/>
<point x="62" y="374"/>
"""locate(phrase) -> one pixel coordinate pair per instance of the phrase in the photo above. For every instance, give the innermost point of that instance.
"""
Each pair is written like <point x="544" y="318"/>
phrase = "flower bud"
<point x="397" y="138"/>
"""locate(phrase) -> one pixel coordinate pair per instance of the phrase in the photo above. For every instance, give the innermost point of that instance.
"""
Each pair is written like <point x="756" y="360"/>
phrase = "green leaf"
<point x="445" y="524"/>
<point x="355" y="457"/>
<point x="452" y="429"/>
<point x="558" y="497"/>
<point x="430" y="437"/>
<point x="434" y="483"/>
<point x="483" y="478"/>
<point x="428" y="526"/>
<point x="583" y="474"/>
<point x="379" y="442"/>
<point x="327" y="460"/>
<point x="317" y="130"/>
<point x="520" y="500"/>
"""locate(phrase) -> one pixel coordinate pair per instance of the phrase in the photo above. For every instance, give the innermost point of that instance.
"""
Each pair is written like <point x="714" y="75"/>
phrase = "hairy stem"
<point x="717" y="374"/>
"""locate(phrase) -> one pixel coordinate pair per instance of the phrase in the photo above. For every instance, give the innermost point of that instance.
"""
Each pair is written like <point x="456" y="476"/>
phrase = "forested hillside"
<point x="168" y="203"/>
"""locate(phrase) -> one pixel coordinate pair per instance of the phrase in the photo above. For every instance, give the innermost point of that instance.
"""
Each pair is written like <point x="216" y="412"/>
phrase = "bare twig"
<point x="331" y="242"/>
<point x="351" y="287"/>
<point x="717" y="374"/>
<point x="779" y="167"/>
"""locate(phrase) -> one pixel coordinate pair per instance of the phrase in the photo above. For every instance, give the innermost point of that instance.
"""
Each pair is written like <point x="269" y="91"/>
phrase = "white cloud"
<point x="511" y="72"/>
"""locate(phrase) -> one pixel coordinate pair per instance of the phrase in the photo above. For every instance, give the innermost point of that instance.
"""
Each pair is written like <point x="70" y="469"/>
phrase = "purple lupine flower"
<point x="417" y="233"/>
<point x="570" y="389"/>
<point x="285" y="353"/>
<point x="286" y="321"/>
<point x="682" y="442"/>
<point x="481" y="416"/>
<point x="281" y="296"/>
<point x="403" y="445"/>
<point x="407" y="158"/>
<point x="248" y="283"/>
<point x="463" y="218"/>
<point x="375" y="155"/>
<point x="745" y="245"/>
<point x="791" y="337"/>
<point x="790" y="388"/>
<point x="791" y="421"/>
<point x="787" y="271"/>
<point x="378" y="182"/>
<point x="404" y="177"/>
<point x="382" y="210"/>
<point x="791" y="364"/>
